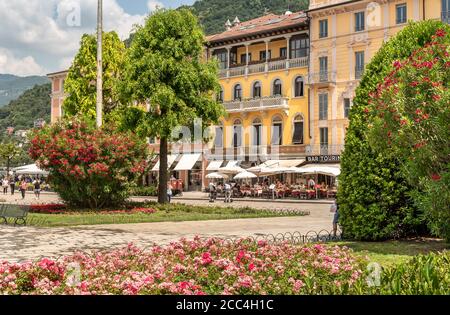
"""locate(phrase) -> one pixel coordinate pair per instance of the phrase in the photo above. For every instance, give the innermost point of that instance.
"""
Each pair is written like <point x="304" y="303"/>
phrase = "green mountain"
<point x="214" y="13"/>
<point x="30" y="106"/>
<point x="11" y="86"/>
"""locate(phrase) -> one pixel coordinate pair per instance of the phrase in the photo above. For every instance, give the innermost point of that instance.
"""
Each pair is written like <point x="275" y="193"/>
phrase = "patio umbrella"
<point x="216" y="175"/>
<point x="231" y="170"/>
<point x="245" y="175"/>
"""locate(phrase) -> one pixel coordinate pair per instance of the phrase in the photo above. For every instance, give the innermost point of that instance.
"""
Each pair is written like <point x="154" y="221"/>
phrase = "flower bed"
<point x="193" y="267"/>
<point x="62" y="209"/>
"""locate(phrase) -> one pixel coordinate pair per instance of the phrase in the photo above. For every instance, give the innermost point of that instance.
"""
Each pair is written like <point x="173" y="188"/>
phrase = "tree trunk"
<point x="163" y="172"/>
<point x="8" y="163"/>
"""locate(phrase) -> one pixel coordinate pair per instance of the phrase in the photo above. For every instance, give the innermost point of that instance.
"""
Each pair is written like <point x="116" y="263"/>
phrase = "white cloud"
<point x="50" y="30"/>
<point x="10" y="64"/>
<point x="154" y="4"/>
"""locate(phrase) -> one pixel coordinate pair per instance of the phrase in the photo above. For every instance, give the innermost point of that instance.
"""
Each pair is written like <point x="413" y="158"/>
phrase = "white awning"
<point x="214" y="165"/>
<point x="282" y="163"/>
<point x="187" y="162"/>
<point x="170" y="159"/>
<point x="231" y="168"/>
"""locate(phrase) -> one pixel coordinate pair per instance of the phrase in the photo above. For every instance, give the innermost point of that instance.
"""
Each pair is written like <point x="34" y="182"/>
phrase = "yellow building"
<point x="345" y="35"/>
<point x="264" y="68"/>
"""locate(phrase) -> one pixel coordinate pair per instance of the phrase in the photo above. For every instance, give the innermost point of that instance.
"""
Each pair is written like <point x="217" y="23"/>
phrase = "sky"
<point x="42" y="36"/>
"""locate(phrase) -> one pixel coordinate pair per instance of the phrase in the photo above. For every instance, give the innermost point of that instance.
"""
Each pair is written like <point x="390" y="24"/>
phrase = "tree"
<point x="165" y="69"/>
<point x="8" y="152"/>
<point x="89" y="167"/>
<point x="374" y="194"/>
<point x="80" y="84"/>
<point x="411" y="117"/>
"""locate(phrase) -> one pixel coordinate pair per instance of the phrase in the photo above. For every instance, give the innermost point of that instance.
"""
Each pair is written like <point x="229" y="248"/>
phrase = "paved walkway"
<point x="30" y="243"/>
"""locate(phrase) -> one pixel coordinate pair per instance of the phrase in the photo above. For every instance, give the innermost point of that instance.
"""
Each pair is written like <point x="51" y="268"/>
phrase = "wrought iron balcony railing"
<point x="322" y="77"/>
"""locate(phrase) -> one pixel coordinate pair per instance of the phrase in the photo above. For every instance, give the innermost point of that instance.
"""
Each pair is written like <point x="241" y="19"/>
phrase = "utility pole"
<point x="99" y="107"/>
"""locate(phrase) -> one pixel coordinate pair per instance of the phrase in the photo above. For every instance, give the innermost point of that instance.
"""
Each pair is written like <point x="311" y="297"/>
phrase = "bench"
<point x="16" y="212"/>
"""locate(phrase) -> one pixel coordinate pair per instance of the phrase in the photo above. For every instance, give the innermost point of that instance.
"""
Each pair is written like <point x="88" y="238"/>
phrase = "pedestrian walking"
<point x="23" y="188"/>
<point x="37" y="188"/>
<point x="5" y="185"/>
<point x="335" y="209"/>
<point x="12" y="185"/>
<point x="169" y="192"/>
<point x="227" y="193"/>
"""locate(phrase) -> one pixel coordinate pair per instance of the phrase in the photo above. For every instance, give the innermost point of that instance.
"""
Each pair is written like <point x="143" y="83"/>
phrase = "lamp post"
<point x="99" y="106"/>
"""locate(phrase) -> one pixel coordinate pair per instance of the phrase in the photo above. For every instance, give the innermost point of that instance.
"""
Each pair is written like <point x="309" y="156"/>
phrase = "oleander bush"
<point x="376" y="197"/>
<point x="89" y="168"/>
<point x="411" y="110"/>
<point x="215" y="266"/>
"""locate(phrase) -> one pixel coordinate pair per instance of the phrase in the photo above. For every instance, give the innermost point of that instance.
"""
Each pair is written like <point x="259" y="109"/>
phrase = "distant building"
<point x="57" y="95"/>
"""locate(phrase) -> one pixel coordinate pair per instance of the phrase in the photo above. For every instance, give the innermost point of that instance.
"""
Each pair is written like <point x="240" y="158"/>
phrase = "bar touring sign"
<point x="323" y="159"/>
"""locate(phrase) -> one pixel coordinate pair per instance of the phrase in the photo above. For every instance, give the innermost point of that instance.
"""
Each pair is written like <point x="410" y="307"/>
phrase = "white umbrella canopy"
<point x="31" y="169"/>
<point x="323" y="170"/>
<point x="216" y="175"/>
<point x="245" y="175"/>
<point x="231" y="170"/>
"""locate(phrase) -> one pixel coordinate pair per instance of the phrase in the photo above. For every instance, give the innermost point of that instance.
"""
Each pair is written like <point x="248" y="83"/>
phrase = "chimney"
<point x="228" y="25"/>
<point x="236" y="22"/>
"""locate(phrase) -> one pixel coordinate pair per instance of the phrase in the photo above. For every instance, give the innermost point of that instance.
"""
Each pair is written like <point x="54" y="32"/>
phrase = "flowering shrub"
<point x="200" y="267"/>
<point x="374" y="192"/>
<point x="412" y="113"/>
<point x="89" y="167"/>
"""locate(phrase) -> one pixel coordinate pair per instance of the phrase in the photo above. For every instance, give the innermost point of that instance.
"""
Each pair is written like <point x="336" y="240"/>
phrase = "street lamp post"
<point x="99" y="106"/>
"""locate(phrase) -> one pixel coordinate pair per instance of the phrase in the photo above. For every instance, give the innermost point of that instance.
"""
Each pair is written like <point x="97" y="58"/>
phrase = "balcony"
<point x="263" y="67"/>
<point x="322" y="78"/>
<point x="445" y="17"/>
<point x="256" y="104"/>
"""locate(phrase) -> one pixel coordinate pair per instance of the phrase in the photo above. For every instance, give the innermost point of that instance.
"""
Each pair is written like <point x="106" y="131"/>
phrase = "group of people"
<point x="22" y="183"/>
<point x="227" y="188"/>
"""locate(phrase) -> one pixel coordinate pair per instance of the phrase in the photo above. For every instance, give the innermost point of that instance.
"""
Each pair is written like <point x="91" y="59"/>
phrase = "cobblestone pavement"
<point x="30" y="243"/>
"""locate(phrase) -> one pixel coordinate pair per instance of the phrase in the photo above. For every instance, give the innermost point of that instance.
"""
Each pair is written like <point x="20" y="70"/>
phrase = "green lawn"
<point x="173" y="213"/>
<point x="393" y="252"/>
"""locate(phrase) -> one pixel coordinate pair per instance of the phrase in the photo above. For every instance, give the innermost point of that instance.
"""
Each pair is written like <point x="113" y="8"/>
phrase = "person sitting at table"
<point x="311" y="183"/>
<point x="302" y="186"/>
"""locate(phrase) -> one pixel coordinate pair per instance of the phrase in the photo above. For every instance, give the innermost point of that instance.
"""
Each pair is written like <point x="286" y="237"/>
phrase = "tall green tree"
<point x="165" y="69"/>
<point x="8" y="152"/>
<point x="80" y="85"/>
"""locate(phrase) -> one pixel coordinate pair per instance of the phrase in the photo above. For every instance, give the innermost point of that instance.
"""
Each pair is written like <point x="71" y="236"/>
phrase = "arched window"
<point x="257" y="90"/>
<point x="298" y="87"/>
<point x="237" y="92"/>
<point x="220" y="95"/>
<point x="257" y="131"/>
<point x="297" y="137"/>
<point x="218" y="141"/>
<point x="277" y="87"/>
<point x="277" y="130"/>
<point x="237" y="133"/>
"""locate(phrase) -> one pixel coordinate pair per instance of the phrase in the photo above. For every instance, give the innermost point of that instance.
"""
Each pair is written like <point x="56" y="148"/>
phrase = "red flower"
<point x="414" y="83"/>
<point x="251" y="267"/>
<point x="397" y="64"/>
<point x="440" y="33"/>
<point x="366" y="110"/>
<point x="436" y="97"/>
<point x="436" y="177"/>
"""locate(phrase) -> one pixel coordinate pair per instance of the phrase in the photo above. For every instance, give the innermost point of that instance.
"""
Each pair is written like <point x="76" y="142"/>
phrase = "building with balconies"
<point x="345" y="35"/>
<point x="263" y="76"/>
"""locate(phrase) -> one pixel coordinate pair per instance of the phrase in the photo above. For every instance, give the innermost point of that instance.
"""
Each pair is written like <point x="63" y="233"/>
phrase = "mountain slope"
<point x="214" y="13"/>
<point x="31" y="105"/>
<point x="11" y="86"/>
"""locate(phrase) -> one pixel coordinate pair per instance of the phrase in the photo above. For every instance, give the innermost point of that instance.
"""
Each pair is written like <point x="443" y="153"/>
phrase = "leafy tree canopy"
<point x="80" y="85"/>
